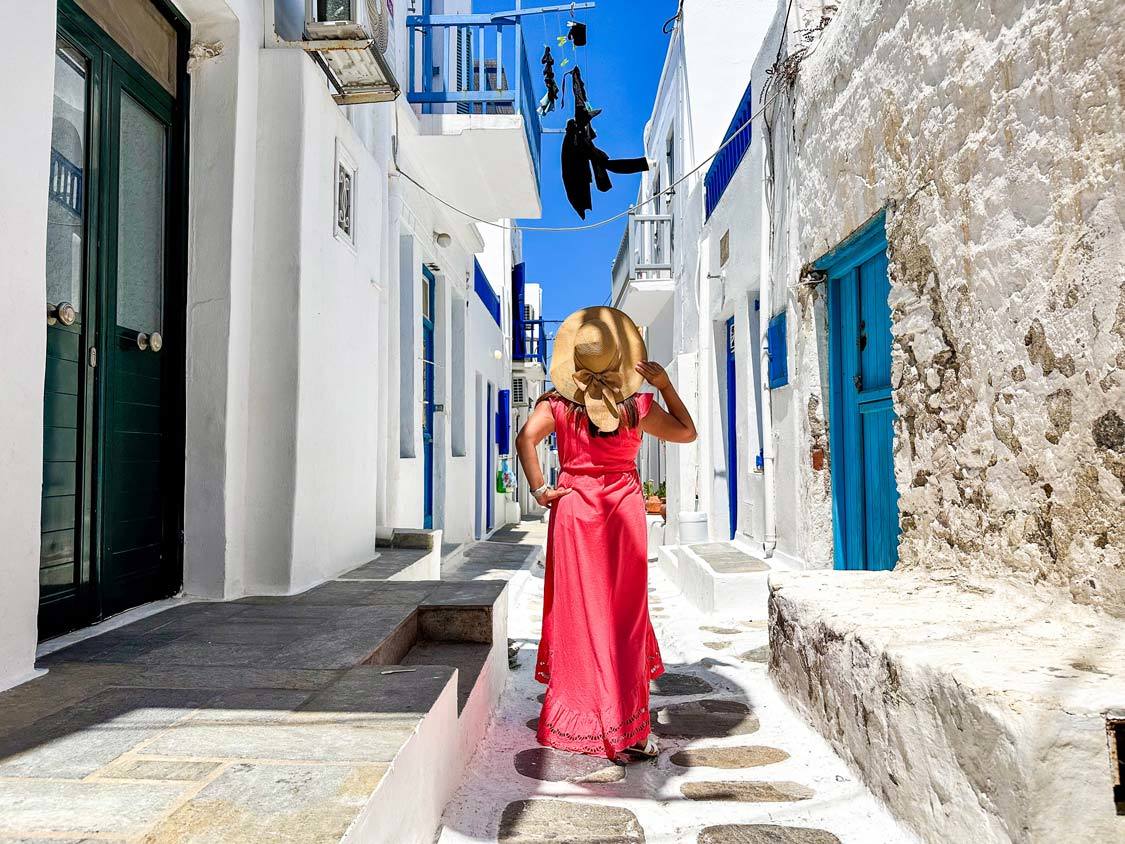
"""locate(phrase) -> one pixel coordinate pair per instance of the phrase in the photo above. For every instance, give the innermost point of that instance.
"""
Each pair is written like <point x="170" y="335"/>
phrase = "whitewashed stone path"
<point x="738" y="766"/>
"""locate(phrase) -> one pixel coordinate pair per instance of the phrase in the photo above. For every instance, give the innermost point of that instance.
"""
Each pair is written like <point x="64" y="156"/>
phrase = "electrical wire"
<point x="630" y="209"/>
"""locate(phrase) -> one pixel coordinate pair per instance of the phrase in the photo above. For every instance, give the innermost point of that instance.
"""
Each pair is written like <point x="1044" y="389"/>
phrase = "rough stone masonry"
<point x="993" y="135"/>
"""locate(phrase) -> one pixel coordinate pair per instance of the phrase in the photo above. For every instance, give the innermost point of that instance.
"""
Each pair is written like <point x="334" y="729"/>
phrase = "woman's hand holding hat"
<point x="654" y="373"/>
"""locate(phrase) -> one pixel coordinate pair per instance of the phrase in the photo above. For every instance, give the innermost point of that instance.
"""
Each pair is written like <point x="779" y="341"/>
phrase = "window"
<point x="776" y="348"/>
<point x="345" y="196"/>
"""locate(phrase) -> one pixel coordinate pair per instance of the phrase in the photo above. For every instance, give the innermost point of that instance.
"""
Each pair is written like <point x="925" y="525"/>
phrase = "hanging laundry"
<point x="580" y="155"/>
<point x="547" y="104"/>
<point x="576" y="33"/>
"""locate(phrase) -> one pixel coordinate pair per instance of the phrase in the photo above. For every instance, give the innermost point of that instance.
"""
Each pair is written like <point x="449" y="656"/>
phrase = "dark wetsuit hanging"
<point x="580" y="155"/>
<point x="547" y="104"/>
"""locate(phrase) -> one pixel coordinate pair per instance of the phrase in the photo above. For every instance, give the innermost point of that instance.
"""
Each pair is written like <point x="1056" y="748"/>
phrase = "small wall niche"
<point x="1115" y="729"/>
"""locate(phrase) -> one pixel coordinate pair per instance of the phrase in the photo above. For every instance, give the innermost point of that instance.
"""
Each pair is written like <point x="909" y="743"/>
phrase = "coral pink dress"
<point x="598" y="650"/>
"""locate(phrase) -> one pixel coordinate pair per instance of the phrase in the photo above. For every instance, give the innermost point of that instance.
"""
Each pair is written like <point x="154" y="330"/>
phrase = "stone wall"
<point x="992" y="133"/>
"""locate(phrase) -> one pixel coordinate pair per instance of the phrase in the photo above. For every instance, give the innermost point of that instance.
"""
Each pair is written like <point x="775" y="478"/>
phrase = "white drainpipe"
<point x="769" y="464"/>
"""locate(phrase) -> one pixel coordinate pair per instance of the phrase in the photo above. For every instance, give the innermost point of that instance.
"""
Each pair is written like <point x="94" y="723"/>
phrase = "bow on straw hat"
<point x="594" y="362"/>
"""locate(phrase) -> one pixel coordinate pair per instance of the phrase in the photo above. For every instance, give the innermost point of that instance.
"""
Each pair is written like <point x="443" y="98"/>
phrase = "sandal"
<point x="649" y="750"/>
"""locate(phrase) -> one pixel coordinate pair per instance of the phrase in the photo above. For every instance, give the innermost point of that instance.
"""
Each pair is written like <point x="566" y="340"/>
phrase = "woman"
<point x="598" y="651"/>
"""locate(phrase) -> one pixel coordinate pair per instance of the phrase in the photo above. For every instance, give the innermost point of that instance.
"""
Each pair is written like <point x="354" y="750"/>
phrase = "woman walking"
<point x="598" y="651"/>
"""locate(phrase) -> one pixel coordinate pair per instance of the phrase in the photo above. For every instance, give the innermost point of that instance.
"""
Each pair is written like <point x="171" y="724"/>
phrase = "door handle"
<point x="152" y="341"/>
<point x="62" y="312"/>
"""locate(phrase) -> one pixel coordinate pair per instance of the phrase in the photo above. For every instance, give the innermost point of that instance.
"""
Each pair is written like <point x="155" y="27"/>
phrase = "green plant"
<point x="649" y="488"/>
<point x="662" y="491"/>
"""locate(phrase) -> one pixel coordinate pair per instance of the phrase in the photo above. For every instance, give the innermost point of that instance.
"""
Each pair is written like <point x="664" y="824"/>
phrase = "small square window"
<point x="345" y="191"/>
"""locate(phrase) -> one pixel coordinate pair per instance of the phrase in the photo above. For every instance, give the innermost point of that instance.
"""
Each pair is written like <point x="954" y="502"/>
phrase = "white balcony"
<point x="642" y="271"/>
<point x="478" y="130"/>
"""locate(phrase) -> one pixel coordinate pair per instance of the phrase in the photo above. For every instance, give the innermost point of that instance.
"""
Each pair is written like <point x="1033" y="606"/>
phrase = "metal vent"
<point x="519" y="391"/>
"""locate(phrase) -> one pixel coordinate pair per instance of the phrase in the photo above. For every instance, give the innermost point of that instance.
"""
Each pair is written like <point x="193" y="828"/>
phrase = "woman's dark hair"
<point x="630" y="416"/>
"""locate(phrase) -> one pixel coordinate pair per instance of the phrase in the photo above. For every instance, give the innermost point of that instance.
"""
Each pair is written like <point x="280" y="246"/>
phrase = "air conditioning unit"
<point x="519" y="392"/>
<point x="351" y="40"/>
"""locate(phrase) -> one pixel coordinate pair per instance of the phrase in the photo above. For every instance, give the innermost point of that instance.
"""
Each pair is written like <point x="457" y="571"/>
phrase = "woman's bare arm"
<point x="675" y="424"/>
<point x="538" y="426"/>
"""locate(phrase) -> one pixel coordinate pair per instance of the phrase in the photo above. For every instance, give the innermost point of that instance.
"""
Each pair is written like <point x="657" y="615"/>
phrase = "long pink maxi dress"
<point x="598" y="650"/>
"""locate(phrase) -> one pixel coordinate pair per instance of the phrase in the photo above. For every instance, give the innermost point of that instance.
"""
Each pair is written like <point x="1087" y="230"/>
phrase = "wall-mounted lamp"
<point x="442" y="239"/>
<point x="497" y="354"/>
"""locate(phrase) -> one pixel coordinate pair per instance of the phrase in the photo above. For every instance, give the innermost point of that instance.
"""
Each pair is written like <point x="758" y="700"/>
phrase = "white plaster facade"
<point x="303" y="428"/>
<point x="705" y="71"/>
<point x="991" y="140"/>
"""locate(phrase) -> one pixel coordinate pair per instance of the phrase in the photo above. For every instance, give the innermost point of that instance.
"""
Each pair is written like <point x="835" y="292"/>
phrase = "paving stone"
<point x="533" y="725"/>
<point x="468" y="658"/>
<point x="556" y="821"/>
<point x="679" y="684"/>
<point x="549" y="765"/>
<point x="726" y="559"/>
<point x="80" y="739"/>
<point x="729" y="757"/>
<point x="761" y="654"/>
<point x="746" y="792"/>
<point x="765" y="834"/>
<point x="704" y="719"/>
<point x="327" y="740"/>
<point x="480" y="593"/>
<point x="159" y="769"/>
<point x="253" y="803"/>
<point x="34" y="807"/>
<point x="716" y="646"/>
<point x="722" y="631"/>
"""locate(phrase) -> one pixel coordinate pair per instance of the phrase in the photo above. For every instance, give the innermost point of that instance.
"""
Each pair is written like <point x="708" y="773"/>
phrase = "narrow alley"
<point x="737" y="764"/>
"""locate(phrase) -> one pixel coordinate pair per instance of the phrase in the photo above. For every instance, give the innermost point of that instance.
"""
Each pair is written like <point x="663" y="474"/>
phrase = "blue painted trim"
<point x="866" y="241"/>
<point x="725" y="164"/>
<point x="860" y="479"/>
<point x="778" y="351"/>
<point x="732" y="430"/>
<point x="485" y="292"/>
<point x="428" y="404"/>
<point x="504" y="421"/>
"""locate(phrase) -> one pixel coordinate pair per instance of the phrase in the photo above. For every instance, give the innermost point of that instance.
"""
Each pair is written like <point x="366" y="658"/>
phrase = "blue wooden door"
<point x="732" y="431"/>
<point x="864" y="496"/>
<point x="427" y="398"/>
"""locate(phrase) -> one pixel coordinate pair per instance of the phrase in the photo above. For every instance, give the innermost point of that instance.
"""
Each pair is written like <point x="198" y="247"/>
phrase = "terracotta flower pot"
<point x="653" y="504"/>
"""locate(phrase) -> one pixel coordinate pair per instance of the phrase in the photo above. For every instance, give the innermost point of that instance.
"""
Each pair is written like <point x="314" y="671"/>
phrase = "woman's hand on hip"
<point x="550" y="496"/>
<point x="654" y="373"/>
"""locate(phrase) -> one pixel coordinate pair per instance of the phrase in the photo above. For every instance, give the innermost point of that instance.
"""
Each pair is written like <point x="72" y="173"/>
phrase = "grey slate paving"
<point x="746" y="792"/>
<point x="539" y="821"/>
<point x="669" y="684"/>
<point x="728" y="757"/>
<point x="77" y="808"/>
<point x="549" y="765"/>
<point x="704" y="719"/>
<point x="726" y="559"/>
<point x="765" y="834"/>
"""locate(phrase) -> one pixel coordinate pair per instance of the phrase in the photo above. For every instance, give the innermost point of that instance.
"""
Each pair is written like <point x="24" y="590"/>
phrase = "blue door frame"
<point x="489" y="472"/>
<point x="732" y="431"/>
<point x="864" y="495"/>
<point x="428" y="288"/>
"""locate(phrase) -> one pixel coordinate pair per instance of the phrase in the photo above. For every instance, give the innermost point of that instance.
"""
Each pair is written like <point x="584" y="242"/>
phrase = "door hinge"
<point x="93" y="357"/>
<point x="181" y="533"/>
<point x="858" y="381"/>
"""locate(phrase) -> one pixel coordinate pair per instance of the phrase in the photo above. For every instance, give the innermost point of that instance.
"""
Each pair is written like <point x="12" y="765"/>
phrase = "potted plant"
<point x="652" y="499"/>
<point x="662" y="495"/>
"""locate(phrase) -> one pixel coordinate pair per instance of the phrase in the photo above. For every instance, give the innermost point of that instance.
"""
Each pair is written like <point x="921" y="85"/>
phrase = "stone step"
<point x="719" y="577"/>
<point x="315" y="717"/>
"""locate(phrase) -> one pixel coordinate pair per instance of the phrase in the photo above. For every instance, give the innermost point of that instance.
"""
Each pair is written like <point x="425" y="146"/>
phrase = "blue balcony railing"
<point x="529" y="342"/>
<point x="473" y="64"/>
<point x="726" y="163"/>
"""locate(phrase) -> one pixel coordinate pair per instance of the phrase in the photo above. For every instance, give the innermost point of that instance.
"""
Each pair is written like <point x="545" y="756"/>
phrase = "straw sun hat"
<point x="594" y="362"/>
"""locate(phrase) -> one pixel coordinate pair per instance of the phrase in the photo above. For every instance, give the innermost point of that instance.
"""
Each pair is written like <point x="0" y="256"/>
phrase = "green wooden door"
<point x="113" y="448"/>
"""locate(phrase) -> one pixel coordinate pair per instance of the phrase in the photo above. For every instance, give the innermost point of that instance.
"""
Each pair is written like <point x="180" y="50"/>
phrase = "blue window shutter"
<point x="504" y="421"/>
<point x="776" y="347"/>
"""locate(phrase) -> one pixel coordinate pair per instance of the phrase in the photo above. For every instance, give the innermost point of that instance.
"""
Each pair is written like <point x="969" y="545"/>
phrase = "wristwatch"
<point x="535" y="493"/>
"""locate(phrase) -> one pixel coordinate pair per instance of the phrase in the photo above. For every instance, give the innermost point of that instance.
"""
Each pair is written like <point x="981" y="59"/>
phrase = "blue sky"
<point x="621" y="66"/>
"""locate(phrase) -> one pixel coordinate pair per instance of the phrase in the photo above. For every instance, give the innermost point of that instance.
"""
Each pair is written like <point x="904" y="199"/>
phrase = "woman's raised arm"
<point x="674" y="424"/>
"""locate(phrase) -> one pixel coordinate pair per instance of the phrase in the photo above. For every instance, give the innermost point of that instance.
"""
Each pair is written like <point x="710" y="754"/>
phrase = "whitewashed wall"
<point x="23" y="246"/>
